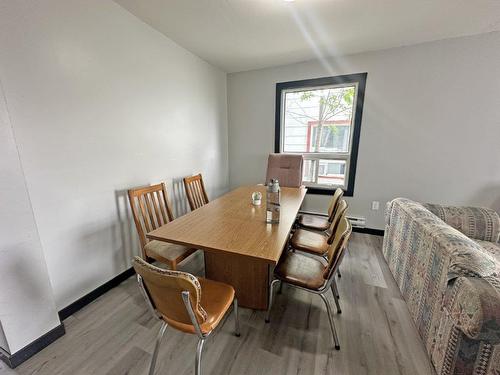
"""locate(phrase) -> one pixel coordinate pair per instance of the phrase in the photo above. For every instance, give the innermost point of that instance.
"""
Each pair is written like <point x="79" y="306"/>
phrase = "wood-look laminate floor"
<point x="115" y="334"/>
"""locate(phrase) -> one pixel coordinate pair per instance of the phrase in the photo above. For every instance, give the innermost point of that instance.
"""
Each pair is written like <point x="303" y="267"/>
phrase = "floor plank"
<point x="115" y="334"/>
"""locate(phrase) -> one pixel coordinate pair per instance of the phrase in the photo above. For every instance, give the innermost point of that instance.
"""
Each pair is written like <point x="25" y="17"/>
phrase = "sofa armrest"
<point x="474" y="305"/>
<point x="475" y="222"/>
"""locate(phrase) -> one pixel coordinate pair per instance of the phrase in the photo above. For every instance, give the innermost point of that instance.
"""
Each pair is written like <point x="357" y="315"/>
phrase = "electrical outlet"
<point x="375" y="205"/>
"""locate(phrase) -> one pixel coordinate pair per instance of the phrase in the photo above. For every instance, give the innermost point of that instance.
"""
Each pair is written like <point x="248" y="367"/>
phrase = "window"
<point x="321" y="119"/>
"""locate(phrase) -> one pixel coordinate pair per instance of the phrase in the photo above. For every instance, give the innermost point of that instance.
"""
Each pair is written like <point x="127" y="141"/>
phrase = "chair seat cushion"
<point x="314" y="222"/>
<point x="216" y="299"/>
<point x="167" y="252"/>
<point x="310" y="242"/>
<point x="301" y="270"/>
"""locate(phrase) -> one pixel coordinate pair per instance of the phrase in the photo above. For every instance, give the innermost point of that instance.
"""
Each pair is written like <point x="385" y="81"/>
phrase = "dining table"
<point x="240" y="247"/>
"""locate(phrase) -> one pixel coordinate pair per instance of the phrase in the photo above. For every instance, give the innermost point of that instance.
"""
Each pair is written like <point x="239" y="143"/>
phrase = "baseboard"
<point x="14" y="360"/>
<point x="88" y="298"/>
<point x="376" y="232"/>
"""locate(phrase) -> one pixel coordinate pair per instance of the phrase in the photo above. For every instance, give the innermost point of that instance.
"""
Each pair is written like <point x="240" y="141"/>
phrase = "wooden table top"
<point x="232" y="224"/>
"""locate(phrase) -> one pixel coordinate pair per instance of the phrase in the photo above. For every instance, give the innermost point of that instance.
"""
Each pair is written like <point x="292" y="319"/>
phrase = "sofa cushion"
<point x="491" y="248"/>
<point x="467" y="258"/>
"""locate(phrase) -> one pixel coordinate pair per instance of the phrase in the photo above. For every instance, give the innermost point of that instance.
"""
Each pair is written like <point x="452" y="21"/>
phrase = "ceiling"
<point x="238" y="35"/>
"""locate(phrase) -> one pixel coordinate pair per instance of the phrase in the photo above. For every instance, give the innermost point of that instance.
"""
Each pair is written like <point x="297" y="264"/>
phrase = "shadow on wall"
<point x="120" y="235"/>
<point x="489" y="196"/>
<point x="23" y="285"/>
<point x="128" y="238"/>
<point x="98" y="244"/>
<point x="178" y="199"/>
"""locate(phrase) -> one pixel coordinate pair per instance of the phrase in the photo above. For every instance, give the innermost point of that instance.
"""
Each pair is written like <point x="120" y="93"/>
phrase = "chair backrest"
<point x="164" y="291"/>
<point x="334" y="202"/>
<point x="150" y="209"/>
<point x="287" y="168"/>
<point x="195" y="191"/>
<point x="339" y="213"/>
<point x="337" y="247"/>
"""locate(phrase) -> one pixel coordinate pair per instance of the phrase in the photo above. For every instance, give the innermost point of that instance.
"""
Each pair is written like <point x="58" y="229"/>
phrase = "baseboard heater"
<point x="357" y="222"/>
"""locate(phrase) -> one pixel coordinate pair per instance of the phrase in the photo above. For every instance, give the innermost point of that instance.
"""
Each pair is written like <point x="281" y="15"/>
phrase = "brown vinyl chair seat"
<point x="216" y="299"/>
<point x="301" y="270"/>
<point x="317" y="243"/>
<point x="310" y="242"/>
<point x="319" y="223"/>
<point x="314" y="222"/>
<point x="167" y="253"/>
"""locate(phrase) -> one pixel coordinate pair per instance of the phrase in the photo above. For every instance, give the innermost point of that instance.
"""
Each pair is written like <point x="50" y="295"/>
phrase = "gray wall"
<point x="99" y="102"/>
<point x="430" y="131"/>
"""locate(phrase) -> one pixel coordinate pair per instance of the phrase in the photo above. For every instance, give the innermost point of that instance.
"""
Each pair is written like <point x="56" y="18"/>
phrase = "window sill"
<point x="323" y="191"/>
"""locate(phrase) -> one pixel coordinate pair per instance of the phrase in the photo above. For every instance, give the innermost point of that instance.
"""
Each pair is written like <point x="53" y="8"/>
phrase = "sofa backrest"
<point x="475" y="222"/>
<point x="466" y="257"/>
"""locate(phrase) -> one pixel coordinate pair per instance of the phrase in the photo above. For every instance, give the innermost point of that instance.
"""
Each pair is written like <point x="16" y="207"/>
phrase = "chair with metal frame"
<point x="195" y="191"/>
<point x="151" y="209"/>
<point x="311" y="274"/>
<point x="187" y="303"/>
<point x="317" y="243"/>
<point x="321" y="223"/>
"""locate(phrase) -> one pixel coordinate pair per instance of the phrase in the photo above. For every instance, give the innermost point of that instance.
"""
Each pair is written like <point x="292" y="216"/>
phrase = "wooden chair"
<point x="317" y="243"/>
<point x="319" y="223"/>
<point x="187" y="303"/>
<point x="151" y="209"/>
<point x="311" y="274"/>
<point x="195" y="191"/>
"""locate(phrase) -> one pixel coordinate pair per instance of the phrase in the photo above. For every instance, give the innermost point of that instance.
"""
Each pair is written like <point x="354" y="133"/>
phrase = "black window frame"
<point x="360" y="79"/>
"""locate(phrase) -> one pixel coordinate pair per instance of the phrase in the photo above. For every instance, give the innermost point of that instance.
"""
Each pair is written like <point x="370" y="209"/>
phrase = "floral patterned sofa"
<point x="446" y="262"/>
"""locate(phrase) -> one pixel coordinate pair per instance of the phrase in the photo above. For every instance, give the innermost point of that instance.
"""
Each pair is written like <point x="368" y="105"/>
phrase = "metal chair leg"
<point x="199" y="350"/>
<point x="338" y="272"/>
<point x="163" y="327"/>
<point x="336" y="297"/>
<point x="280" y="288"/>
<point x="236" y="319"/>
<point x="332" y="324"/>
<point x="335" y="290"/>
<point x="271" y="287"/>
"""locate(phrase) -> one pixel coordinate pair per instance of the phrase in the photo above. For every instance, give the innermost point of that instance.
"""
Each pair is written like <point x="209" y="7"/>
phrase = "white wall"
<point x="3" y="340"/>
<point x="430" y="130"/>
<point x="100" y="102"/>
<point x="27" y="308"/>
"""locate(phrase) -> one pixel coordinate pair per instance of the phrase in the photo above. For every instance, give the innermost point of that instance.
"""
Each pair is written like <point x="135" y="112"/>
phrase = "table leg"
<point x="248" y="276"/>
